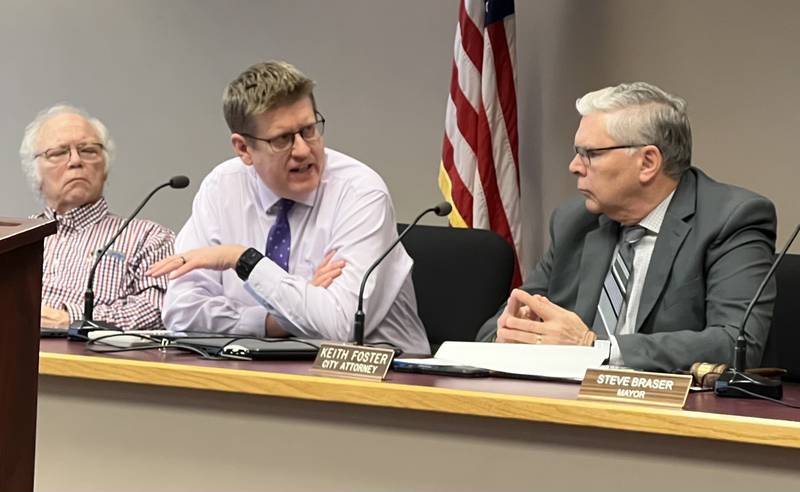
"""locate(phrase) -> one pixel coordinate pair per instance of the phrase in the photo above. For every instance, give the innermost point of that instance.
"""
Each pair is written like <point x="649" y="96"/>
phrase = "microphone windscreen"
<point x="179" y="182"/>
<point x="443" y="209"/>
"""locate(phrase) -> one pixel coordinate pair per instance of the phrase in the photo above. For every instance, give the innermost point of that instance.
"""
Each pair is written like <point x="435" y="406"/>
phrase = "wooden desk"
<point x="191" y="424"/>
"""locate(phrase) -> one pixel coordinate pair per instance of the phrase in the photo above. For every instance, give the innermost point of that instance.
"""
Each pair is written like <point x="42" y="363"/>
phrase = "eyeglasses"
<point x="586" y="154"/>
<point x="88" y="152"/>
<point x="285" y="141"/>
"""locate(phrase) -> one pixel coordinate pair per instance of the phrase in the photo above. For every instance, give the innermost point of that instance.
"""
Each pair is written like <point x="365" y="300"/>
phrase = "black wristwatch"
<point x="246" y="263"/>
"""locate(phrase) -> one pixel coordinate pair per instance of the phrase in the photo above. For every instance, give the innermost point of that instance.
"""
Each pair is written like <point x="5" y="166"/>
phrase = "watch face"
<point x="247" y="262"/>
<point x="252" y="256"/>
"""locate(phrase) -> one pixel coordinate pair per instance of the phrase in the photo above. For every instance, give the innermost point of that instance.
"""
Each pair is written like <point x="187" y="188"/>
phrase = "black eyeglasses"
<point x="586" y="153"/>
<point x="285" y="141"/>
<point x="88" y="152"/>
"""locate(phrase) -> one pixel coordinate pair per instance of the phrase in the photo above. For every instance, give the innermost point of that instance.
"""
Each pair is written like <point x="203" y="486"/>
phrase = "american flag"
<point x="479" y="171"/>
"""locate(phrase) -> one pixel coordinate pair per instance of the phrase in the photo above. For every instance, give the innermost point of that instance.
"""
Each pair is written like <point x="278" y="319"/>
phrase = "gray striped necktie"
<point x="615" y="286"/>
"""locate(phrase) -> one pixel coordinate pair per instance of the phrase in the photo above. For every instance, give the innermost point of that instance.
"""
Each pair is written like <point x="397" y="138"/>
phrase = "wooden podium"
<point x="21" y="248"/>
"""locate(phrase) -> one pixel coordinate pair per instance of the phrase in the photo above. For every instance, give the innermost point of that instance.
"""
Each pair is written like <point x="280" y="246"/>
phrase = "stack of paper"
<point x="547" y="361"/>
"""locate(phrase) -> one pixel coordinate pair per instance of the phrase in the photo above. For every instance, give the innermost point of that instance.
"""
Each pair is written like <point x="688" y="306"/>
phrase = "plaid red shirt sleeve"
<point x="124" y="296"/>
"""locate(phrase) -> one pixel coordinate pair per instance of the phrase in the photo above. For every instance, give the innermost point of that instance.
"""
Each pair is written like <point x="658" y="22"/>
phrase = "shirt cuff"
<point x="265" y="279"/>
<point x="615" y="359"/>
<point x="75" y="311"/>
<point x="287" y="325"/>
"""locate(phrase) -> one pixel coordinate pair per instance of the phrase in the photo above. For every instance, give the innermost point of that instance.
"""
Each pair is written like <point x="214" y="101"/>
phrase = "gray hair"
<point x="641" y="113"/>
<point x="27" y="148"/>
<point x="262" y="87"/>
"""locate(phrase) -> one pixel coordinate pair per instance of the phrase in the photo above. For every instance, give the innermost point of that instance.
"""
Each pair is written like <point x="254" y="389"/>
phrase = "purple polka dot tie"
<point x="279" y="240"/>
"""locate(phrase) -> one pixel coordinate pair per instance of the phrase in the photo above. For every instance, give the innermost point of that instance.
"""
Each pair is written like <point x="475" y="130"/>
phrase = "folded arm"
<point x="359" y="237"/>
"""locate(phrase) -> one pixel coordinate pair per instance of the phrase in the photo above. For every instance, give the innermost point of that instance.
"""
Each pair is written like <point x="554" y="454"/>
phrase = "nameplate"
<point x="648" y="388"/>
<point x="352" y="361"/>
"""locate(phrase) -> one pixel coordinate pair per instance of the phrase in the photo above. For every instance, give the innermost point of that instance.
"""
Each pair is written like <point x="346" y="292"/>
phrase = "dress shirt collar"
<point x="652" y="222"/>
<point x="80" y="217"/>
<point x="267" y="198"/>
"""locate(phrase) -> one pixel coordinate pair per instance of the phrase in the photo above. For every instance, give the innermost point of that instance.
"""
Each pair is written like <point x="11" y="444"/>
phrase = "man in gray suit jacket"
<point x="688" y="252"/>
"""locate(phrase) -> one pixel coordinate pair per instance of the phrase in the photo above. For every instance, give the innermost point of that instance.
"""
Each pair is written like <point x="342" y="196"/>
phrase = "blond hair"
<point x="260" y="88"/>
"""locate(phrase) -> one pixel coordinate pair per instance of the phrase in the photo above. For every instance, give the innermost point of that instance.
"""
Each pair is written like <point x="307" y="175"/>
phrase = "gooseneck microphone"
<point x="735" y="382"/>
<point x="81" y="327"/>
<point x="441" y="210"/>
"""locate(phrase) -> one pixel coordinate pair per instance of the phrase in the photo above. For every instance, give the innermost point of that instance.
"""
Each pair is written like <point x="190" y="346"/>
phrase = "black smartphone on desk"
<point x="422" y="368"/>
<point x="51" y="332"/>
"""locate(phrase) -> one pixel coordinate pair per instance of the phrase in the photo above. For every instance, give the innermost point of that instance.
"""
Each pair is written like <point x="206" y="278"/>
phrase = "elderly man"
<point x="263" y="221"/>
<point x="656" y="256"/>
<point x="65" y="154"/>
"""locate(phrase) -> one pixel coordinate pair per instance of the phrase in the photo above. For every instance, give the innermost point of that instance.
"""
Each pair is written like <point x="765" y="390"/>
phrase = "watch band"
<point x="246" y="262"/>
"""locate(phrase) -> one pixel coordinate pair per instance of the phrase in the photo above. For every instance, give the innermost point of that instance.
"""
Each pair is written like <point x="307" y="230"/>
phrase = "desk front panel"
<point x="705" y="416"/>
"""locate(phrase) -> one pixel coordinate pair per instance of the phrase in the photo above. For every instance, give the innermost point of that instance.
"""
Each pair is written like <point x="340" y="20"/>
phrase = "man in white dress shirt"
<point x="263" y="221"/>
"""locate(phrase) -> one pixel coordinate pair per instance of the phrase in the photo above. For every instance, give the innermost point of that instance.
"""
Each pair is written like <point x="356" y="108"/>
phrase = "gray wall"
<point x="154" y="71"/>
<point x="736" y="62"/>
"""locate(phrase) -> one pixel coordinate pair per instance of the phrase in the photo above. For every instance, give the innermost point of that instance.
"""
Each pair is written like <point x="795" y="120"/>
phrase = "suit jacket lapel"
<point x="598" y="246"/>
<point x="670" y="238"/>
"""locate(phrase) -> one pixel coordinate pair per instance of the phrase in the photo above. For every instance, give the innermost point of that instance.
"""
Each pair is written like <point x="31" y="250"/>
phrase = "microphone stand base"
<point x="732" y="381"/>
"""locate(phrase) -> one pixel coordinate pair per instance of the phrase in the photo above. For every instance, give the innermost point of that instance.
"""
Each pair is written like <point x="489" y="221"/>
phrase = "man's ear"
<point x="241" y="148"/>
<point x="652" y="163"/>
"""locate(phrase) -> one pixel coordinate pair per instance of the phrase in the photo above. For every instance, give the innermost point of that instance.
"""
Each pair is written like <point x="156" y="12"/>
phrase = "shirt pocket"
<point x="110" y="280"/>
<point x="304" y="269"/>
<point x="311" y="251"/>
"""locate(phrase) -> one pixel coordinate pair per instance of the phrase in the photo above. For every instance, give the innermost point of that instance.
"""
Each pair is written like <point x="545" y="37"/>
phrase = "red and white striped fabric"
<point x="479" y="171"/>
<point x="124" y="295"/>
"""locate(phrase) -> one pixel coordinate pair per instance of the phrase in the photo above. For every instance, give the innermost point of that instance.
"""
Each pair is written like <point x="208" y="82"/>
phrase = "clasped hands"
<point x="534" y="319"/>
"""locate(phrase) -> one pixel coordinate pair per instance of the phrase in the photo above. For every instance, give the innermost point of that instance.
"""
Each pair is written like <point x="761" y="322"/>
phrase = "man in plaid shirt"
<point x="65" y="155"/>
